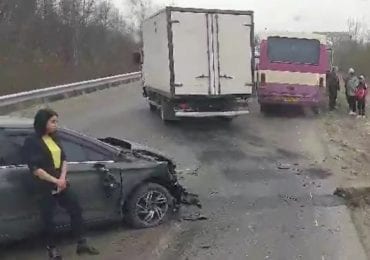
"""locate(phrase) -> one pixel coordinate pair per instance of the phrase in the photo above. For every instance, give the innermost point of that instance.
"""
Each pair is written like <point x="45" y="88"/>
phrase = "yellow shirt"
<point x="54" y="149"/>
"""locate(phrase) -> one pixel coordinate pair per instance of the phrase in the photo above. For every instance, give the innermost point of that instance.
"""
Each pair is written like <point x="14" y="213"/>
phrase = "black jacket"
<point x="333" y="82"/>
<point x="38" y="156"/>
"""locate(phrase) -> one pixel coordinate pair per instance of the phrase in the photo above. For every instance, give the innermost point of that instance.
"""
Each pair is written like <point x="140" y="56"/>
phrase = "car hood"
<point x="144" y="152"/>
<point x="138" y="149"/>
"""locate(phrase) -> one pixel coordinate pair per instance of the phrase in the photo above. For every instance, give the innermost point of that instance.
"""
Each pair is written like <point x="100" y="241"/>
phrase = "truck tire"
<point x="148" y="206"/>
<point x="263" y="108"/>
<point x="167" y="111"/>
<point x="227" y="119"/>
<point x="152" y="107"/>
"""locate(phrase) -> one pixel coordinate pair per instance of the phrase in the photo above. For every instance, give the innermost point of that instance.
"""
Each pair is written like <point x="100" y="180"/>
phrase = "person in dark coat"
<point x="334" y="87"/>
<point x="46" y="160"/>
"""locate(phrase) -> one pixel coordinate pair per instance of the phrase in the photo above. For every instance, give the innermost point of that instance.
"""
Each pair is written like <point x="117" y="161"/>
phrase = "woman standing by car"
<point x="47" y="162"/>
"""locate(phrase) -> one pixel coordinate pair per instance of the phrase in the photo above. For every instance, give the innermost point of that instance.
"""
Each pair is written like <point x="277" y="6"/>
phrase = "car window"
<point x="11" y="149"/>
<point x="76" y="152"/>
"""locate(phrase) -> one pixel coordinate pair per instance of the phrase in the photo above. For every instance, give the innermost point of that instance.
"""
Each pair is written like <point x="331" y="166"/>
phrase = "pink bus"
<point x="292" y="69"/>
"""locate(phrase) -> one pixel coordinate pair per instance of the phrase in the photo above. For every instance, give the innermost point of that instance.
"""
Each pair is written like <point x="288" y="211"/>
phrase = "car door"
<point x="93" y="177"/>
<point x="19" y="213"/>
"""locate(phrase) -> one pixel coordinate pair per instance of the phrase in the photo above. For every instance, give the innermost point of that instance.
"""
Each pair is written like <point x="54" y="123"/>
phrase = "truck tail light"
<point x="321" y="83"/>
<point x="184" y="106"/>
<point x="263" y="79"/>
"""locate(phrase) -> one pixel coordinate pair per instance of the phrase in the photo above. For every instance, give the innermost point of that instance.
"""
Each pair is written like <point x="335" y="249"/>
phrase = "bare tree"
<point x="357" y="30"/>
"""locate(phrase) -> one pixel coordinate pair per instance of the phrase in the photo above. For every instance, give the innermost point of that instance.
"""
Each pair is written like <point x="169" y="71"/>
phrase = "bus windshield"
<point x="293" y="50"/>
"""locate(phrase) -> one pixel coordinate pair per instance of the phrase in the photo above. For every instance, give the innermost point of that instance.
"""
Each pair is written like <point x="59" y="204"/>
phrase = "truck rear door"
<point x="234" y="53"/>
<point x="212" y="53"/>
<point x="190" y="54"/>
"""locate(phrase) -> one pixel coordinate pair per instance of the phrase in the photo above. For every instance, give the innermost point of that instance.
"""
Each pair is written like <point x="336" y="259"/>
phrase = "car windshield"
<point x="293" y="50"/>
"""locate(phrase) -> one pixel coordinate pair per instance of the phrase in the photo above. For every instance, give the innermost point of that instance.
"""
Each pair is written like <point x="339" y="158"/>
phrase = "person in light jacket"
<point x="351" y="87"/>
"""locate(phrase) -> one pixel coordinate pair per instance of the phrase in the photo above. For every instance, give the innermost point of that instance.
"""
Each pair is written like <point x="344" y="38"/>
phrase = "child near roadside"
<point x="361" y="93"/>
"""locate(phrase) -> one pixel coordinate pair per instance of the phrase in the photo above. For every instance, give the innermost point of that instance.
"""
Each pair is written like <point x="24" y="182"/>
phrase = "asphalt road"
<point x="255" y="210"/>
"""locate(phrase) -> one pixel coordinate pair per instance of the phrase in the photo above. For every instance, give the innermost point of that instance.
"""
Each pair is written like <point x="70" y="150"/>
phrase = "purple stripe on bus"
<point x="265" y="64"/>
<point x="274" y="93"/>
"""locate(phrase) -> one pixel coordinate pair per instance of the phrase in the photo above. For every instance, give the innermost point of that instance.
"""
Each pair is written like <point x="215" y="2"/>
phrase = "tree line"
<point x="51" y="42"/>
<point x="353" y="49"/>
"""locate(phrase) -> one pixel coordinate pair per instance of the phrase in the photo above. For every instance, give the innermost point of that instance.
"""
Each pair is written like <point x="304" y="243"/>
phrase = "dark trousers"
<point x="361" y="106"/>
<point x="67" y="200"/>
<point x="352" y="103"/>
<point x="332" y="99"/>
<point x="347" y="98"/>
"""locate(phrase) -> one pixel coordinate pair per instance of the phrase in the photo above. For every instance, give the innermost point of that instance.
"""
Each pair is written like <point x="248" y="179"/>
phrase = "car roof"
<point x="26" y="123"/>
<point x="9" y="121"/>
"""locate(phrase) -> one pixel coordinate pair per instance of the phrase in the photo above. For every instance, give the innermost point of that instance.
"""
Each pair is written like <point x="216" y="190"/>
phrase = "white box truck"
<point x="198" y="62"/>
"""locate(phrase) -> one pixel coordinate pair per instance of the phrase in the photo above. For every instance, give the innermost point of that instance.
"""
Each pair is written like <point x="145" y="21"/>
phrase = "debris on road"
<point x="287" y="198"/>
<point x="195" y="217"/>
<point x="189" y="171"/>
<point x="187" y="198"/>
<point x="284" y="166"/>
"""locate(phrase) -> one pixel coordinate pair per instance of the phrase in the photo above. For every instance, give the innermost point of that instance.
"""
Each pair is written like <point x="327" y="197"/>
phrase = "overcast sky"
<point x="292" y="15"/>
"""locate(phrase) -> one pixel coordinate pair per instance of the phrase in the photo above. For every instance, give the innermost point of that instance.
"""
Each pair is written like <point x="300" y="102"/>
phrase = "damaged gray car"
<point x="114" y="180"/>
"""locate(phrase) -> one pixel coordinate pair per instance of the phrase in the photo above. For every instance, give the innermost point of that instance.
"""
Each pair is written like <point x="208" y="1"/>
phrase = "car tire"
<point x="139" y="215"/>
<point x="152" y="107"/>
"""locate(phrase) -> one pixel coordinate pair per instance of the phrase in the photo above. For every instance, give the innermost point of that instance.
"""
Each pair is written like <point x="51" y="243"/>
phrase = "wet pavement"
<point x="264" y="192"/>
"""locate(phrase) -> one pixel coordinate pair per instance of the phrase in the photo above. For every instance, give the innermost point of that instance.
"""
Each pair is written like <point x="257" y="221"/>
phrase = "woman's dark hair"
<point x="41" y="119"/>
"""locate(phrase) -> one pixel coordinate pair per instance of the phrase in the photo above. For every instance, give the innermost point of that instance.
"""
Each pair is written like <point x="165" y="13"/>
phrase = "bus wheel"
<point x="316" y="110"/>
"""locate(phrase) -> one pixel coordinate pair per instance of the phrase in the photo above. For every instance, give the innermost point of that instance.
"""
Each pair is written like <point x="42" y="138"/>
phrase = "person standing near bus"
<point x="333" y="85"/>
<point x="361" y="93"/>
<point x="351" y="86"/>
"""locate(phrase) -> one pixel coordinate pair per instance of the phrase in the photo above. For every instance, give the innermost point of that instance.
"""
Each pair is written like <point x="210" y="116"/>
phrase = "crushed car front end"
<point x="168" y="177"/>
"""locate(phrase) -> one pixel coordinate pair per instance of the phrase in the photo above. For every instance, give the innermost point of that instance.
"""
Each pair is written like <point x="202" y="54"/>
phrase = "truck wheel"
<point x="167" y="112"/>
<point x="227" y="118"/>
<point x="152" y="107"/>
<point x="263" y="108"/>
<point x="148" y="206"/>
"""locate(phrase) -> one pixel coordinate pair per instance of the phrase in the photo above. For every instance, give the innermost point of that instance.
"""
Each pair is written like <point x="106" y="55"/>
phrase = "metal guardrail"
<point x="83" y="86"/>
